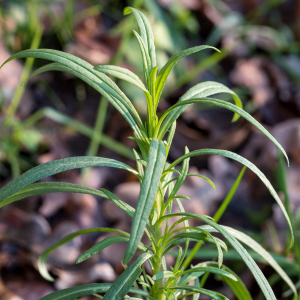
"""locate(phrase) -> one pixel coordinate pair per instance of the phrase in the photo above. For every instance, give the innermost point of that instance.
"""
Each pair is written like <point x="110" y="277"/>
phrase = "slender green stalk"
<point x="217" y="215"/>
<point x="25" y="74"/>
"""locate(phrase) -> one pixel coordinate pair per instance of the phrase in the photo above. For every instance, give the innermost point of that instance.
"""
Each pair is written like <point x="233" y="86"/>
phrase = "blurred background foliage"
<point x="55" y="115"/>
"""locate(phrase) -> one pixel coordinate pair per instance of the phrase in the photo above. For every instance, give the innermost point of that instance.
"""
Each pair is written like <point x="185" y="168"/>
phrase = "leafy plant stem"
<point x="217" y="216"/>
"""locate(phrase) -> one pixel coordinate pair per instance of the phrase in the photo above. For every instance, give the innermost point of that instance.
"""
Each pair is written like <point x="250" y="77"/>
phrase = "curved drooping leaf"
<point x="167" y="68"/>
<point x="58" y="166"/>
<point x="100" y="246"/>
<point x="145" y="32"/>
<point x="55" y="187"/>
<point x="163" y="275"/>
<point x="82" y="69"/>
<point x="211" y="294"/>
<point x="88" y="289"/>
<point x="124" y="282"/>
<point x="43" y="257"/>
<point x="149" y="189"/>
<point x="122" y="73"/>
<point x="250" y="166"/>
<point x="208" y="269"/>
<point x="228" y="106"/>
<point x="234" y="282"/>
<point x="259" y="249"/>
<point x="257" y="273"/>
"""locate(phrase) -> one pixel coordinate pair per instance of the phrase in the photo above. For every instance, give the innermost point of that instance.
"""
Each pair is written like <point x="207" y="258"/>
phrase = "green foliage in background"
<point x="159" y="187"/>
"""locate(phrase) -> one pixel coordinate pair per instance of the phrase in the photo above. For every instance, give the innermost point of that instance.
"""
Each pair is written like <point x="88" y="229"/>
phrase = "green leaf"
<point x="149" y="189"/>
<point x="100" y="246"/>
<point x="250" y="166"/>
<point x="43" y="257"/>
<point x="260" y="250"/>
<point x="211" y="294"/>
<point x="124" y="282"/>
<point x="163" y="274"/>
<point x="85" y="71"/>
<point x="257" y="273"/>
<point x="145" y="32"/>
<point x="209" y="88"/>
<point x="228" y="106"/>
<point x="88" y="289"/>
<point x="167" y="68"/>
<point x="235" y="283"/>
<point x="58" y="166"/>
<point x="209" y="269"/>
<point x="123" y="74"/>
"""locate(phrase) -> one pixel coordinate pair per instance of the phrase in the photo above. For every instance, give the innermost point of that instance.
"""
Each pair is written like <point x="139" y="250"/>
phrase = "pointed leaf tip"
<point x="126" y="11"/>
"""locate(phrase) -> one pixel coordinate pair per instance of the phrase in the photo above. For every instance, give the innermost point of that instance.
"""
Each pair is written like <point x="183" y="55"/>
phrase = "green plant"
<point x="158" y="186"/>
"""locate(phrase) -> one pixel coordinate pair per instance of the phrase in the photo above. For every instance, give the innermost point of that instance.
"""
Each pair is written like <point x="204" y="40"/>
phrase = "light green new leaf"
<point x="124" y="282"/>
<point x="58" y="166"/>
<point x="257" y="273"/>
<point x="249" y="165"/>
<point x="145" y="32"/>
<point x="149" y="189"/>
<point x="228" y="106"/>
<point x="122" y="73"/>
<point x="259" y="249"/>
<point x="167" y="68"/>
<point x="88" y="289"/>
<point x="209" y="269"/>
<point x="163" y="274"/>
<point x="85" y="71"/>
<point x="211" y="294"/>
<point x="100" y="246"/>
<point x="43" y="257"/>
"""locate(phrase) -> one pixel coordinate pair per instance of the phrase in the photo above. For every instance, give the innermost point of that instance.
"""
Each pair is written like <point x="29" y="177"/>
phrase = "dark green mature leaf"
<point x="58" y="166"/>
<point x="259" y="249"/>
<point x="100" y="246"/>
<point x="124" y="282"/>
<point x="257" y="273"/>
<point x="211" y="294"/>
<point x="145" y="32"/>
<point x="228" y="106"/>
<point x="167" y="68"/>
<point x="82" y="69"/>
<point x="249" y="165"/>
<point x="88" y="289"/>
<point x="149" y="189"/>
<point x="43" y="257"/>
<point x="122" y="73"/>
<point x="55" y="187"/>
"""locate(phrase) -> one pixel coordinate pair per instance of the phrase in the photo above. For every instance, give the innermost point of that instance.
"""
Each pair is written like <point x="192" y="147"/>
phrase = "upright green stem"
<point x="158" y="292"/>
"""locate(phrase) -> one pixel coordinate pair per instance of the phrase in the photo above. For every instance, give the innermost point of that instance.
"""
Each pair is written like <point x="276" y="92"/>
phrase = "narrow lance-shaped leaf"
<point x="257" y="273"/>
<point x="43" y="257"/>
<point x="124" y="282"/>
<point x="259" y="249"/>
<point x="58" y="166"/>
<point x="88" y="289"/>
<point x="122" y="73"/>
<point x="200" y="90"/>
<point x="85" y="71"/>
<point x="228" y="106"/>
<point x="167" y="68"/>
<point x="149" y="189"/>
<point x="249" y="165"/>
<point x="100" y="246"/>
<point x="145" y="32"/>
